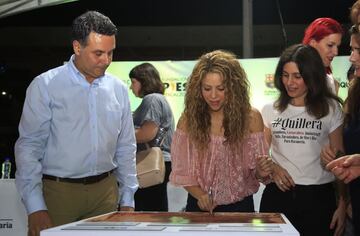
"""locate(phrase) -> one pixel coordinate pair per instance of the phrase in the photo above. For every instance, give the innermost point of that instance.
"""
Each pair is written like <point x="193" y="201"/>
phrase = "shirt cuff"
<point x="127" y="199"/>
<point x="35" y="203"/>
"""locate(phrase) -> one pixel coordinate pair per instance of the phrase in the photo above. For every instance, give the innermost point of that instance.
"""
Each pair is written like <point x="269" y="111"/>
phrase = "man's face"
<point x="93" y="59"/>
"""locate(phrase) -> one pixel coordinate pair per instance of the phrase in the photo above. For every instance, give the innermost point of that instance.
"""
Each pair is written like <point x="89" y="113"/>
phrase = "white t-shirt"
<point x="297" y="139"/>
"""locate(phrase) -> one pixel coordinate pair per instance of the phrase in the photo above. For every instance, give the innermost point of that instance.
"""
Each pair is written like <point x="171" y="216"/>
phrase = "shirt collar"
<point x="78" y="76"/>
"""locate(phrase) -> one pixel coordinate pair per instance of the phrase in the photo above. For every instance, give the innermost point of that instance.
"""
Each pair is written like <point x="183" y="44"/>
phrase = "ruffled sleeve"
<point x="262" y="150"/>
<point x="183" y="160"/>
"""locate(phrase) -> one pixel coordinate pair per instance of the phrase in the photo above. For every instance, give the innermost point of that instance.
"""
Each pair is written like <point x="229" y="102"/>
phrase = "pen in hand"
<point x="210" y="193"/>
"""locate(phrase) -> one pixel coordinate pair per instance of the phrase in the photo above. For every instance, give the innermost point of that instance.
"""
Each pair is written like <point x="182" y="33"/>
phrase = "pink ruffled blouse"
<point x="231" y="177"/>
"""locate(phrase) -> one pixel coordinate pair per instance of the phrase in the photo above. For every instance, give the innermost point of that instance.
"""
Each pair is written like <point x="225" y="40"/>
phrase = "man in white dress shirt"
<point x="75" y="155"/>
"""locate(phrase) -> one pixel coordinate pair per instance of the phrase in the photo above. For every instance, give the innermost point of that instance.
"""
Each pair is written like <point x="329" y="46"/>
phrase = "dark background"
<point x="185" y="12"/>
<point x="26" y="53"/>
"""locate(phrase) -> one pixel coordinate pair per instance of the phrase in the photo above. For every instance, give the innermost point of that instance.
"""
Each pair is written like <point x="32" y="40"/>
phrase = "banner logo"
<point x="269" y="80"/>
<point x="175" y="87"/>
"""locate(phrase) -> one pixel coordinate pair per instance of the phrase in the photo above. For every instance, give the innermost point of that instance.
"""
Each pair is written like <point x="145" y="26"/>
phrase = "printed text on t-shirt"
<point x="298" y="123"/>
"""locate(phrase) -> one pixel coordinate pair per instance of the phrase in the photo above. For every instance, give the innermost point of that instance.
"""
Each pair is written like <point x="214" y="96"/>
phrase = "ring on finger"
<point x="280" y="182"/>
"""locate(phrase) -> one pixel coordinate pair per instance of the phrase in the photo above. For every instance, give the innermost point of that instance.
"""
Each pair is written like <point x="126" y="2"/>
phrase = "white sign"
<point x="13" y="218"/>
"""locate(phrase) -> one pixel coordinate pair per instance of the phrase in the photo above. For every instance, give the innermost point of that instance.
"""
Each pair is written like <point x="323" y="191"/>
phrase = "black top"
<point x="352" y="146"/>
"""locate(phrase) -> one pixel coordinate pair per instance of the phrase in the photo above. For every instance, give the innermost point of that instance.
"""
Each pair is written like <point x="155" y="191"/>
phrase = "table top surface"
<point x="190" y="217"/>
<point x="181" y="223"/>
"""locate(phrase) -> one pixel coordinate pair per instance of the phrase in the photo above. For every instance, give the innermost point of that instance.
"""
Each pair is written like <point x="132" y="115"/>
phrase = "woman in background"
<point x="153" y="114"/>
<point x="305" y="117"/>
<point x="218" y="150"/>
<point x="347" y="168"/>
<point x="324" y="34"/>
<point x="355" y="13"/>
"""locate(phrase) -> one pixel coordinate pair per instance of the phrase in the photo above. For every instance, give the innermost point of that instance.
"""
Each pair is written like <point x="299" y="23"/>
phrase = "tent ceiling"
<point x="10" y="7"/>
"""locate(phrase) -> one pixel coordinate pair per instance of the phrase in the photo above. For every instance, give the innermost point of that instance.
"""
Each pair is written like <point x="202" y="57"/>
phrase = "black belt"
<point x="86" y="180"/>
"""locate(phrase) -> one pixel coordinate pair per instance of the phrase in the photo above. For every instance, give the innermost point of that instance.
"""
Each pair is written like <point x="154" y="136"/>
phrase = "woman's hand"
<point x="205" y="202"/>
<point x="264" y="166"/>
<point x="327" y="155"/>
<point x="282" y="178"/>
<point x="346" y="168"/>
<point x="338" y="219"/>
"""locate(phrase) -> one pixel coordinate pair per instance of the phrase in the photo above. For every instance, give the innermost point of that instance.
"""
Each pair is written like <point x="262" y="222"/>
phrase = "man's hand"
<point x="38" y="221"/>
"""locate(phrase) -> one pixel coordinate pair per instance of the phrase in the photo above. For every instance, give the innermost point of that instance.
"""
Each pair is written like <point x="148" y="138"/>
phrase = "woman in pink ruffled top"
<point x="218" y="150"/>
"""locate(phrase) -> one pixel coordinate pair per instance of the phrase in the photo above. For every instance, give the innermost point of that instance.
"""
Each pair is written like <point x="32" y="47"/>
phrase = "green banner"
<point x="260" y="73"/>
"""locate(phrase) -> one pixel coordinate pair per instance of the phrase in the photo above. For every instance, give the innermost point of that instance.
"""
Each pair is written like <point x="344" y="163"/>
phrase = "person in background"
<point x="75" y="155"/>
<point x="347" y="168"/>
<point x="305" y="117"/>
<point x="324" y="34"/>
<point x="218" y="151"/>
<point x="153" y="114"/>
<point x="351" y="74"/>
<point x="349" y="228"/>
<point x="355" y="13"/>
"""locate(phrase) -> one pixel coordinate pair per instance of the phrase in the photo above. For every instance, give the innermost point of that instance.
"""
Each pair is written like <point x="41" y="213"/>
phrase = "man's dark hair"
<point x="91" y="21"/>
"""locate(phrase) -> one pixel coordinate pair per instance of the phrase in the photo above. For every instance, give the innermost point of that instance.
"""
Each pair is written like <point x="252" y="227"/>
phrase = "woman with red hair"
<point x="324" y="34"/>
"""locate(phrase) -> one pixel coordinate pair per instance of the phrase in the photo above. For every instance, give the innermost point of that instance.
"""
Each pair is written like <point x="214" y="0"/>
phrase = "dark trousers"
<point x="355" y="201"/>
<point x="308" y="207"/>
<point x="154" y="198"/>
<point x="245" y="205"/>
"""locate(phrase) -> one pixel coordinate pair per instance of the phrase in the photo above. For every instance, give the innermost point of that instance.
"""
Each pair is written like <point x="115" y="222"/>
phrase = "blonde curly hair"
<point x="236" y="108"/>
